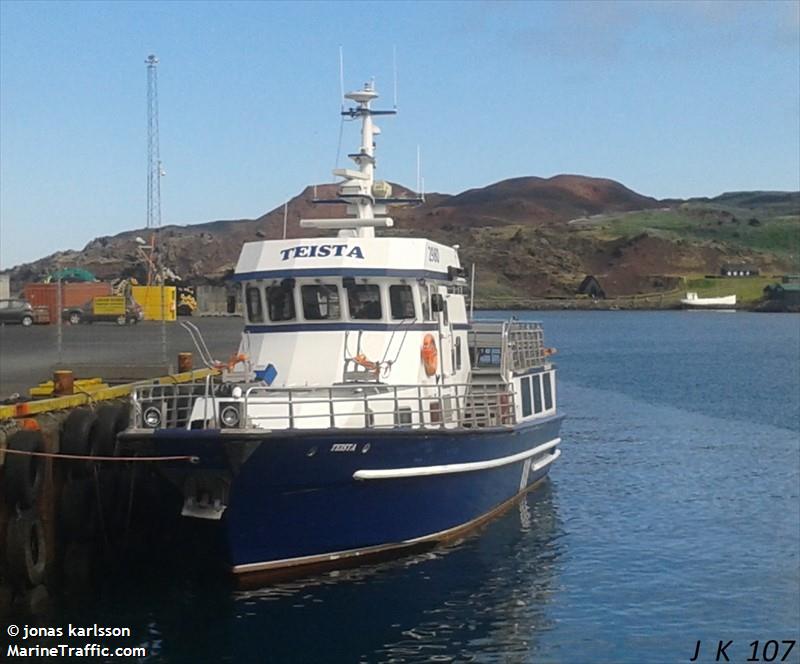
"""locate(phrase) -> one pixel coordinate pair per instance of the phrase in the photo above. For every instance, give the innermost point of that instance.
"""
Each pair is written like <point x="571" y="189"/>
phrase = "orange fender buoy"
<point x="361" y="359"/>
<point x="429" y="355"/>
<point x="235" y="359"/>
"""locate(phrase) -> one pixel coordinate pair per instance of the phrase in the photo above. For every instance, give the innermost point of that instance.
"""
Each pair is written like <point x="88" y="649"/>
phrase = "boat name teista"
<point x="321" y="251"/>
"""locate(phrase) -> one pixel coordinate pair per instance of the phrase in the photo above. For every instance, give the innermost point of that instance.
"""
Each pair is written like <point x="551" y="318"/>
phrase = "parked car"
<point x="112" y="309"/>
<point x="16" y="311"/>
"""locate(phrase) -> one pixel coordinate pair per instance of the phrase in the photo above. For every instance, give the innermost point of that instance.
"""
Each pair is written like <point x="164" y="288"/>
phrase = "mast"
<point x="357" y="187"/>
<point x="365" y="198"/>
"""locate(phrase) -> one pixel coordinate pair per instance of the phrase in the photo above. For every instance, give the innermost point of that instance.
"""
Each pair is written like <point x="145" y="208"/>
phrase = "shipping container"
<point x="72" y="295"/>
<point x="149" y="299"/>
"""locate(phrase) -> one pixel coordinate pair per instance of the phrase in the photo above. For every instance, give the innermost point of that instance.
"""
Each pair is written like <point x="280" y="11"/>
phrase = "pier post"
<point x="63" y="383"/>
<point x="184" y="362"/>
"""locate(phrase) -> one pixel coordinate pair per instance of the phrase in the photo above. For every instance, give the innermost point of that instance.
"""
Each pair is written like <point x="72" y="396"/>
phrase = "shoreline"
<point x="624" y="304"/>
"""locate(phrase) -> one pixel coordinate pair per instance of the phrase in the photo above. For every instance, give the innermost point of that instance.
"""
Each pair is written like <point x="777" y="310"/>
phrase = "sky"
<point x="673" y="99"/>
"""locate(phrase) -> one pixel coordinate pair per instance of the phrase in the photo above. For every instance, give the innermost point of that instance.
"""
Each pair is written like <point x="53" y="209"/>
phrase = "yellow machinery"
<point x="149" y="299"/>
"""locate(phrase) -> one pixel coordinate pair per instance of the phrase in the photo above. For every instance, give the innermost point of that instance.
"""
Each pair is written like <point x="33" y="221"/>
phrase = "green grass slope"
<point x="768" y="228"/>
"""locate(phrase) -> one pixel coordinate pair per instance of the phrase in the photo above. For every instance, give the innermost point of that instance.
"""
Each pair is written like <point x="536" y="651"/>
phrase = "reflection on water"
<point x="486" y="594"/>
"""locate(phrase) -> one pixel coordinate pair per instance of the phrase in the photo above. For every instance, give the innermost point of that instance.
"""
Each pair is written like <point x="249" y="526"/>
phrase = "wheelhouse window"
<point x="525" y="389"/>
<point x="255" y="310"/>
<point x="426" y="307"/>
<point x="280" y="303"/>
<point x="364" y="301"/>
<point x="537" y="394"/>
<point x="402" y="301"/>
<point x="321" y="302"/>
<point x="548" y="392"/>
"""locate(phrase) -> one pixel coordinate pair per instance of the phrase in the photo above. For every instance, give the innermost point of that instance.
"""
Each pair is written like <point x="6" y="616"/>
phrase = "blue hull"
<point x="295" y="501"/>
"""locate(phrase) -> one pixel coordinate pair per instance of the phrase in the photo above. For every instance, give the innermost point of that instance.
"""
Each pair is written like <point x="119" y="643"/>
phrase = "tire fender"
<point x="111" y="419"/>
<point x="26" y="551"/>
<point x="76" y="509"/>
<point x="76" y="430"/>
<point x="23" y="474"/>
<point x="75" y="434"/>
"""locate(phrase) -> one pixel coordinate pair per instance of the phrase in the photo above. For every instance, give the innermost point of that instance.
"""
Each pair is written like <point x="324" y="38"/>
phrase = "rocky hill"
<point x="527" y="236"/>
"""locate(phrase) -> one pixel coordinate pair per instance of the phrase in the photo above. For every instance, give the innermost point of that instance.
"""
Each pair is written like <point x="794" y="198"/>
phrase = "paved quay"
<point x="28" y="355"/>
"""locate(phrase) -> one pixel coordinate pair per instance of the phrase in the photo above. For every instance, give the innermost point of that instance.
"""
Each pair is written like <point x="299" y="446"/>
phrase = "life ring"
<point x="369" y="365"/>
<point x="429" y="355"/>
<point x="26" y="552"/>
<point x="23" y="473"/>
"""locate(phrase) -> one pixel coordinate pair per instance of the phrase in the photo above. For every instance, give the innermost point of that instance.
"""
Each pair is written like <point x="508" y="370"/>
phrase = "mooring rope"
<point x="81" y="457"/>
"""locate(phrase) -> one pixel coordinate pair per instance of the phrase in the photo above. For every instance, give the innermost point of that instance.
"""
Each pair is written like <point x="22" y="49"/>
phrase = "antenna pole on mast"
<point x="341" y="77"/>
<point x="418" y="168"/>
<point x="472" y="291"/>
<point x="394" y="72"/>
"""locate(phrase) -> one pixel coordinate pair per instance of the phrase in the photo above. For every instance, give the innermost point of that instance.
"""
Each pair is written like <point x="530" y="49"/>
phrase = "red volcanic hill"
<point x="533" y="200"/>
<point x="515" y="232"/>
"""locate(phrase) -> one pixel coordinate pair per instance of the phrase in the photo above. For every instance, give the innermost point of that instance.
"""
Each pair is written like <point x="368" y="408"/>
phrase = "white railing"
<point x="336" y="407"/>
<point x="506" y="346"/>
<point x="459" y="405"/>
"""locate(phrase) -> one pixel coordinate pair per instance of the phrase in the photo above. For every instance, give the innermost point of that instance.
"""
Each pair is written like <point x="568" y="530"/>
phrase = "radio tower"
<point x="154" y="173"/>
<point x="153" y="156"/>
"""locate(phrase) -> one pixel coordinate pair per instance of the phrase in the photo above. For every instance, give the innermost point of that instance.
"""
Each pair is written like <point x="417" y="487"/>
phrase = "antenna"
<point x="418" y="167"/>
<point x="285" y="215"/>
<point x="341" y="106"/>
<point x="472" y="291"/>
<point x="341" y="77"/>
<point x="394" y="68"/>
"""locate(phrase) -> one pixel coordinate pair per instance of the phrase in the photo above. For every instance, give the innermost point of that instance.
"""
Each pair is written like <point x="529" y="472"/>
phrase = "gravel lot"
<point x="28" y="355"/>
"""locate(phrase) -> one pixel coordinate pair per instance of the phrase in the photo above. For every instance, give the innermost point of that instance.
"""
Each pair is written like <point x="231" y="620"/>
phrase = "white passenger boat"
<point x="365" y="412"/>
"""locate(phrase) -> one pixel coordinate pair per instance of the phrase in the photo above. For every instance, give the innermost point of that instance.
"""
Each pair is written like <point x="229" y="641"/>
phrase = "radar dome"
<point x="381" y="189"/>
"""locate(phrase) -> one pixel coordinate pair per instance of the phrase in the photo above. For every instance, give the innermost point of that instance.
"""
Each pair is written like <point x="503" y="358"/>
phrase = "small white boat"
<point x="692" y="301"/>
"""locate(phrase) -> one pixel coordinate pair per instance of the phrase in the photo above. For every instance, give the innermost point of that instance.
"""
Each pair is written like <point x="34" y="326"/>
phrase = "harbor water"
<point x="671" y="517"/>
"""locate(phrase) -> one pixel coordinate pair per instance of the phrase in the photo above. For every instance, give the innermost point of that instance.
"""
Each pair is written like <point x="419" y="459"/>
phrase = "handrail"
<point x="199" y="343"/>
<point x="520" y="343"/>
<point x="454" y="405"/>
